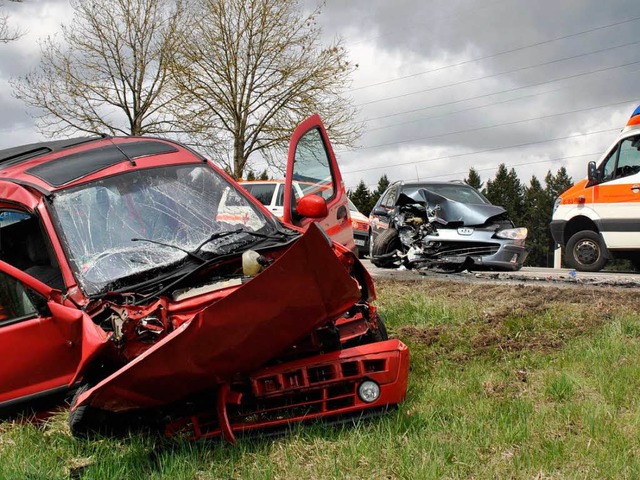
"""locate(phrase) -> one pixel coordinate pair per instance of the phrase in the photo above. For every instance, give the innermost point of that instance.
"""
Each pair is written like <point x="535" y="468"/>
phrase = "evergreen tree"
<point x="264" y="175"/>
<point x="557" y="184"/>
<point x="506" y="191"/>
<point x="383" y="184"/>
<point x="251" y="175"/>
<point x="474" y="179"/>
<point x="361" y="198"/>
<point x="537" y="214"/>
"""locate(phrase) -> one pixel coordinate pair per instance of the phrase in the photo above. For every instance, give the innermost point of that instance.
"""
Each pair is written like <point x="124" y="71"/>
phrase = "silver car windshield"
<point x="109" y="226"/>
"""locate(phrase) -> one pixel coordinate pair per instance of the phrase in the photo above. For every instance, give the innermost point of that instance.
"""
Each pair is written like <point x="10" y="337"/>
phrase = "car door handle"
<point x="635" y="188"/>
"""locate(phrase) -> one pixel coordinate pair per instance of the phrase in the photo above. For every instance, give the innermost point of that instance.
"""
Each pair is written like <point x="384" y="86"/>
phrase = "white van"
<point x="598" y="219"/>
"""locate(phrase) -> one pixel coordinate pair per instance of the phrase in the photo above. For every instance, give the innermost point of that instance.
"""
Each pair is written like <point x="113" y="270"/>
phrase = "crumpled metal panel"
<point x="300" y="291"/>
<point x="456" y="213"/>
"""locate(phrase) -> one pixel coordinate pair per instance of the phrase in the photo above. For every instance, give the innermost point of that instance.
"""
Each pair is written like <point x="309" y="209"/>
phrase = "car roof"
<point x="428" y="183"/>
<point x="263" y="182"/>
<point x="49" y="166"/>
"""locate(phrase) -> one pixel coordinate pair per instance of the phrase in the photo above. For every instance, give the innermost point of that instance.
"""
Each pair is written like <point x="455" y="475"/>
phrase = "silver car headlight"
<point x="556" y="204"/>
<point x="519" y="233"/>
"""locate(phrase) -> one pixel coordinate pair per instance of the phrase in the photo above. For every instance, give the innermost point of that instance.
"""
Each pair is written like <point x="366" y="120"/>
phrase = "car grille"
<point x="466" y="249"/>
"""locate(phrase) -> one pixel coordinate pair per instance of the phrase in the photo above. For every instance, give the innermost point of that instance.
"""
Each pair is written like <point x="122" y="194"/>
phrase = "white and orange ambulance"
<point x="598" y="219"/>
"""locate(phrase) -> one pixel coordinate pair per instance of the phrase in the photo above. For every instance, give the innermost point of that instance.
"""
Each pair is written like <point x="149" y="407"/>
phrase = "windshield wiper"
<point x="181" y="277"/>
<point x="279" y="235"/>
<point x="192" y="254"/>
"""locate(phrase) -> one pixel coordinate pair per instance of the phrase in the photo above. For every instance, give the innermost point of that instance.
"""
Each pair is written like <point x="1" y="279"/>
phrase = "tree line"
<point x="529" y="206"/>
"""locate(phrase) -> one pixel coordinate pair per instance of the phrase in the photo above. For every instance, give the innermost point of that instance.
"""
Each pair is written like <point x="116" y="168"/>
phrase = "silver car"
<point x="448" y="226"/>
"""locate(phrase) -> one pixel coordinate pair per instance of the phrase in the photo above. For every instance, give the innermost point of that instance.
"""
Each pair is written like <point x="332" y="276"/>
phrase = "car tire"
<point x="585" y="252"/>
<point x="385" y="243"/>
<point x="380" y="334"/>
<point x="83" y="421"/>
<point x="86" y="421"/>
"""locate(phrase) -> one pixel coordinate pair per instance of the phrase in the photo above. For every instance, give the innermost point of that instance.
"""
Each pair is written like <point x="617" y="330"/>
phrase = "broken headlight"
<point x="519" y="233"/>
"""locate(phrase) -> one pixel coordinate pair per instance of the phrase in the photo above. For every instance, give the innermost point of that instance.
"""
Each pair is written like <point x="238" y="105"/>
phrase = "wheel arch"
<point x="578" y="224"/>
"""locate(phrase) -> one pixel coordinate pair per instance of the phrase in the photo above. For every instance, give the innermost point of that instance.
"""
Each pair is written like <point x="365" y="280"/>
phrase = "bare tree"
<point x="252" y="70"/>
<point x="109" y="74"/>
<point x="7" y="33"/>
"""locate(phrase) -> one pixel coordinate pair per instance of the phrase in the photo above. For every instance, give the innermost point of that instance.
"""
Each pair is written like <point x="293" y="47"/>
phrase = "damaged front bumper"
<point x="325" y="386"/>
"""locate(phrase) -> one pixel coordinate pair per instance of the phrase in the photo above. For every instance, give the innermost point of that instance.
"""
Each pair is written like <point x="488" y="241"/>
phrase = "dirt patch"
<point x="506" y="318"/>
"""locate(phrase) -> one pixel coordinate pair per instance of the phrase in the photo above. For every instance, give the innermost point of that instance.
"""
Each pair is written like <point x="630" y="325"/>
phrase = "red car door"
<point x="40" y="340"/>
<point x="312" y="164"/>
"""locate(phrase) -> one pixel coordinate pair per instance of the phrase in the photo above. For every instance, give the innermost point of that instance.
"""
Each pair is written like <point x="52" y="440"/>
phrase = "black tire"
<point x="385" y="243"/>
<point x="380" y="334"/>
<point x="82" y="421"/>
<point x="87" y="422"/>
<point x="585" y="252"/>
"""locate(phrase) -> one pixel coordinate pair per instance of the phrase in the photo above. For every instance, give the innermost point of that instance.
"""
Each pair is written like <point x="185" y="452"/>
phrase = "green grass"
<point x="506" y="382"/>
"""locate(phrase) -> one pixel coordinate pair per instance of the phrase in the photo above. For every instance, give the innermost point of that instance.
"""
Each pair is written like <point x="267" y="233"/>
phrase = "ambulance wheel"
<point x="585" y="252"/>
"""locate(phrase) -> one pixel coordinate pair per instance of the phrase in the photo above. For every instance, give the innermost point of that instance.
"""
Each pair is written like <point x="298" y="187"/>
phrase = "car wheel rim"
<point x="587" y="252"/>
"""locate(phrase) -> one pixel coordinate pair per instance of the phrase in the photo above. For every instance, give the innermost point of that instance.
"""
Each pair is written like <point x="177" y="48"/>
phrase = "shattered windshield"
<point x="140" y="221"/>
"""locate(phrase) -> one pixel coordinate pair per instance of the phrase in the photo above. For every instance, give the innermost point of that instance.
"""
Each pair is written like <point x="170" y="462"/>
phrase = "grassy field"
<point x="507" y="381"/>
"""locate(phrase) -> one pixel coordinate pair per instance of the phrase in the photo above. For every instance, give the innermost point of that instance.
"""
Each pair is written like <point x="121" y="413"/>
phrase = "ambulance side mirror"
<point x="592" y="172"/>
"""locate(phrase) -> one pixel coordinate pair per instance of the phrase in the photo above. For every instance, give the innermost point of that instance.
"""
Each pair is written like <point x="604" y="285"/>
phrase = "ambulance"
<point x="598" y="218"/>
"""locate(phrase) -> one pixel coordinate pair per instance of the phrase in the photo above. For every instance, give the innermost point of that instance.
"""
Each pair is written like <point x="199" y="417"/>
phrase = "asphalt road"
<point x="549" y="276"/>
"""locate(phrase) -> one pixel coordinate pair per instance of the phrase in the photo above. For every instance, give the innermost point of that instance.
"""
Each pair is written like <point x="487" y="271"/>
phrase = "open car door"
<point x="312" y="165"/>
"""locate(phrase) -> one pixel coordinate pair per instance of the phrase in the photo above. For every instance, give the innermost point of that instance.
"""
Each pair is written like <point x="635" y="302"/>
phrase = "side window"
<point x="280" y="195"/>
<point x="23" y="245"/>
<point x="311" y="168"/>
<point x="262" y="192"/>
<point x="609" y="165"/>
<point x="389" y="199"/>
<point x="623" y="161"/>
<point x="15" y="301"/>
<point x="629" y="157"/>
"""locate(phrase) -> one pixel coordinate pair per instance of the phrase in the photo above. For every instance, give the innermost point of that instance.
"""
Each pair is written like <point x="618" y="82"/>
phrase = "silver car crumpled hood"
<point x="450" y="212"/>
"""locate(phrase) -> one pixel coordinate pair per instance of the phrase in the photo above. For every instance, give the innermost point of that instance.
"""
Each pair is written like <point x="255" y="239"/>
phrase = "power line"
<point x="600" y="70"/>
<point x="493" y="168"/>
<point x="477" y="107"/>
<point x="515" y="122"/>
<point x="486" y="150"/>
<point x="504" y="52"/>
<point x="493" y="75"/>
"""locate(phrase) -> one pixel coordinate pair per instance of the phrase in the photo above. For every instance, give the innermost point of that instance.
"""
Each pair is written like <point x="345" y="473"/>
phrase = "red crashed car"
<point x="137" y="273"/>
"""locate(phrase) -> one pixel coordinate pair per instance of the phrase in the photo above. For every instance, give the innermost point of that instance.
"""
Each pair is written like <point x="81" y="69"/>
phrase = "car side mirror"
<point x="312" y="206"/>
<point x="380" y="212"/>
<point x="592" y="172"/>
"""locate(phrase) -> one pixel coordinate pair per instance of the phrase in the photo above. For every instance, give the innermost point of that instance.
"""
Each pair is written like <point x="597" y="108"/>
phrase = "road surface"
<point x="539" y="275"/>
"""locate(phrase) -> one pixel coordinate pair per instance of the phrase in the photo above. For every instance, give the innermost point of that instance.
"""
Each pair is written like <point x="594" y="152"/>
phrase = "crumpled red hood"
<point x="300" y="291"/>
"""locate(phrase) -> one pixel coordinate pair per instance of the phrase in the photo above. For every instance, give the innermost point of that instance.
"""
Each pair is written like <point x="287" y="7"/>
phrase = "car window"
<point x="263" y="192"/>
<point x="623" y="161"/>
<point x="24" y="245"/>
<point x="609" y="165"/>
<point x="15" y="301"/>
<point x="280" y="195"/>
<point x="311" y="168"/>
<point x="389" y="198"/>
<point x="629" y="157"/>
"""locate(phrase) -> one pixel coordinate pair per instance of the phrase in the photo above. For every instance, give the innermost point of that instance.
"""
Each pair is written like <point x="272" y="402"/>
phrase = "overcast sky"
<point x="444" y="85"/>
